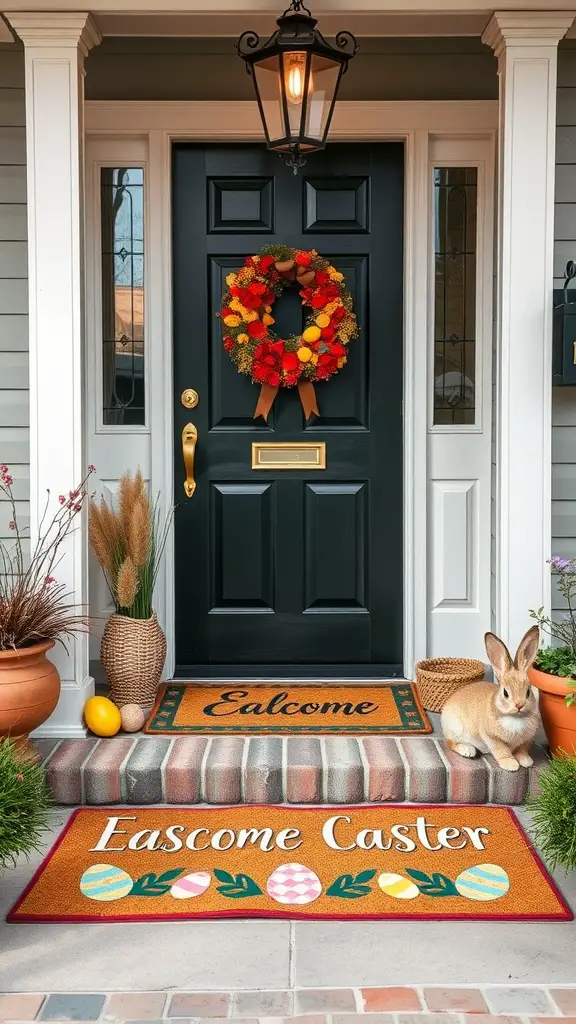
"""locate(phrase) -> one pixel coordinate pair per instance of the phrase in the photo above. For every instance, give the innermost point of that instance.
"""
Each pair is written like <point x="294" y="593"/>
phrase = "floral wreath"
<point x="302" y="359"/>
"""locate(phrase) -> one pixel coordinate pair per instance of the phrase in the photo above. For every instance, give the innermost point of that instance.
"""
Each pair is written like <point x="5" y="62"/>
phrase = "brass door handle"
<point x="189" y="439"/>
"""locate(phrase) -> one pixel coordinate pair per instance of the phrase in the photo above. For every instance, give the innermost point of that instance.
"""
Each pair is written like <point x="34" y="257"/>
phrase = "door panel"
<point x="289" y="572"/>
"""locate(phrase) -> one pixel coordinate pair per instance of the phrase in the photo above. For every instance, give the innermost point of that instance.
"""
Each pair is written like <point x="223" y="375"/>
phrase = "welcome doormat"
<point x="403" y="861"/>
<point x="190" y="708"/>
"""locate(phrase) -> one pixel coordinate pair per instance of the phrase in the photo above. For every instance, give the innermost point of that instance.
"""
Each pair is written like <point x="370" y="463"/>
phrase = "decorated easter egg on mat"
<point x="102" y="716"/>
<point x="294" y="884"/>
<point x="132" y="717"/>
<point x="105" y="882"/>
<point x="483" y="882"/>
<point x="191" y="885"/>
<point x="397" y="886"/>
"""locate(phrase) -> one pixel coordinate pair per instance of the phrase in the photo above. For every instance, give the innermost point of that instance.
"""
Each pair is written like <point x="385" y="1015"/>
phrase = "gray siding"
<point x="14" y="412"/>
<point x="564" y="399"/>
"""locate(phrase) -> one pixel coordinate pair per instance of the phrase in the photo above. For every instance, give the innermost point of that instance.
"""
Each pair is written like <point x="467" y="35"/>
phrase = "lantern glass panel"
<point x="295" y="73"/>
<point x="323" y="82"/>
<point x="267" y="79"/>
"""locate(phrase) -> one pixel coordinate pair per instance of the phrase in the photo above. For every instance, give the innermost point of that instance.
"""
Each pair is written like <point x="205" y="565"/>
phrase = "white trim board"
<point x="415" y="123"/>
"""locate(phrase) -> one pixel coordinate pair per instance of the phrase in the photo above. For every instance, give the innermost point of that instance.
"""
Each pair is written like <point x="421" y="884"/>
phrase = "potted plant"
<point x="129" y="542"/>
<point x="24" y="803"/>
<point x="35" y="613"/>
<point x="553" y="812"/>
<point x="554" y="671"/>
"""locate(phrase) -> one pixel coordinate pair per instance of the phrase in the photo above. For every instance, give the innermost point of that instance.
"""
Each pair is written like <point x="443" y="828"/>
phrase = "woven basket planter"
<point x="438" y="678"/>
<point x="133" y="652"/>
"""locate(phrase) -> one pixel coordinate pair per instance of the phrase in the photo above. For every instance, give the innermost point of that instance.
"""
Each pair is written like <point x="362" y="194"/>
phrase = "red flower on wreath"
<point x="228" y="343"/>
<point x="290" y="362"/>
<point x="327" y="365"/>
<point x="265" y="263"/>
<point x="303" y="259"/>
<point x="267" y="368"/>
<point x="326" y="293"/>
<point x="257" y="329"/>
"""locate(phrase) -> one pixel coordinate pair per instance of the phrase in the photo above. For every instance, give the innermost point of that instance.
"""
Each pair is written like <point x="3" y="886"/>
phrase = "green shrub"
<point x="24" y="802"/>
<point x="554" y="812"/>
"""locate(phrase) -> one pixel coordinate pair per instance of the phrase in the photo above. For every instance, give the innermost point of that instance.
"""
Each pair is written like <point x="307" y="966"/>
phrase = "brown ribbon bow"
<point x="303" y="277"/>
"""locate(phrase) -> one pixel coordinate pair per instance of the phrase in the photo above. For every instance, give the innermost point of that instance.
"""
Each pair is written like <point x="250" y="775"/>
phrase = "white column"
<point x="526" y="45"/>
<point x="55" y="46"/>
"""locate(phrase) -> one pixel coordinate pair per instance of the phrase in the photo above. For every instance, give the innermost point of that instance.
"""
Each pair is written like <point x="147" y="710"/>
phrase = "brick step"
<point x="269" y="769"/>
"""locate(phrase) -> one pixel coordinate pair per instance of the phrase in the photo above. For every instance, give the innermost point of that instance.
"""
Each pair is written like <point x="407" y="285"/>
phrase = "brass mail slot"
<point x="289" y="455"/>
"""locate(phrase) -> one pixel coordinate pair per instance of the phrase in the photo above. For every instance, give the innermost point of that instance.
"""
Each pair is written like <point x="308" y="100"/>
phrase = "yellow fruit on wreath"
<point x="102" y="717"/>
<point x="311" y="334"/>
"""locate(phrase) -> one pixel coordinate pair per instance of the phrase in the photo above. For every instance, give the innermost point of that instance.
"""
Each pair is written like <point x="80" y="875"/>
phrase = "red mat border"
<point x="11" y="917"/>
<point x="297" y="730"/>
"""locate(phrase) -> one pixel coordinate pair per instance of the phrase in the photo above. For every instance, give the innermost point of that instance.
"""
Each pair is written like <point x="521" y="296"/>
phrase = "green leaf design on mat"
<point x="348" y="887"/>
<point x="433" y="885"/>
<point x="236" y="888"/>
<point x="223" y="876"/>
<point x="155" y="885"/>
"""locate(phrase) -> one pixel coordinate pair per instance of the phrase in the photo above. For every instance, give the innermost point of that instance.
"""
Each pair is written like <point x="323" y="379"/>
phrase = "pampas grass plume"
<point x="127" y="583"/>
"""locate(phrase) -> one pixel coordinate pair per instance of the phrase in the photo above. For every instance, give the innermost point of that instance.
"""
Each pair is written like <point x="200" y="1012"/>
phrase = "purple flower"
<point x="11" y="525"/>
<point x="559" y="564"/>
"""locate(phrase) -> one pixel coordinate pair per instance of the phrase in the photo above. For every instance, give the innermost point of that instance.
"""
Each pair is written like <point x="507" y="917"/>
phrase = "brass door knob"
<point x="190" y="398"/>
<point x="189" y="439"/>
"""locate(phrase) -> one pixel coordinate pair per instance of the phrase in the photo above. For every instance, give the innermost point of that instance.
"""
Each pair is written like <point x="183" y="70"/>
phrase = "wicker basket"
<point x="133" y="652"/>
<point x="438" y="678"/>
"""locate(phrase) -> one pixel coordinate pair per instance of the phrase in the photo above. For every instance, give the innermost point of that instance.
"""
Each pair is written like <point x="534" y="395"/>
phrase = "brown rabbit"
<point x="501" y="719"/>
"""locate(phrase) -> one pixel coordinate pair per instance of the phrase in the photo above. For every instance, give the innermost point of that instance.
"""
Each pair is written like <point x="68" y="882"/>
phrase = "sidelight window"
<point x="455" y="244"/>
<point x="122" y="245"/>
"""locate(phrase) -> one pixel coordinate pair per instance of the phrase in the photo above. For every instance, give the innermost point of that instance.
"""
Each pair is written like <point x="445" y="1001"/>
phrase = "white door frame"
<point x="158" y="124"/>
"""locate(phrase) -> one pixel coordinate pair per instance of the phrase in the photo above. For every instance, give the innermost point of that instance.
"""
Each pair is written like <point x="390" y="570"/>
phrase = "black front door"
<point x="289" y="572"/>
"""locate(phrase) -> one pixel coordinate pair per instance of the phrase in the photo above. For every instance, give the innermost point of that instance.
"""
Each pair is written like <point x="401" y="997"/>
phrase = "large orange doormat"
<point x="190" y="708"/>
<point x="402" y="861"/>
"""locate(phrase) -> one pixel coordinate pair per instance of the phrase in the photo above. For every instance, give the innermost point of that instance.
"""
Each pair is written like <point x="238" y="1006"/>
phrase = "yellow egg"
<point x="322" y="320"/>
<point x="398" y="886"/>
<point x="304" y="354"/>
<point x="311" y="334"/>
<point x="102" y="716"/>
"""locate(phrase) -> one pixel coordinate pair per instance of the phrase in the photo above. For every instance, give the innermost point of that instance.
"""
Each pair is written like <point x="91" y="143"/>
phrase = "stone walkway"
<point x="270" y="769"/>
<point x="492" y="1004"/>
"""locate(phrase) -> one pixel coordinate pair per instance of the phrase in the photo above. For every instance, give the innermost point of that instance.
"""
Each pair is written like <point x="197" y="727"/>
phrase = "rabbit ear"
<point x="527" y="649"/>
<point x="498" y="654"/>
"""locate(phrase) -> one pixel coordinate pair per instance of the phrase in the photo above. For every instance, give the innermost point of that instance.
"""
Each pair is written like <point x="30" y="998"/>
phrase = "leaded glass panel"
<point x="122" y="229"/>
<point x="455" y="224"/>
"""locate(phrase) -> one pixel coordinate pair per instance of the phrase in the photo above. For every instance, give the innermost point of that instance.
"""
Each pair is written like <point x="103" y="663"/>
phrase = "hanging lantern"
<point x="296" y="74"/>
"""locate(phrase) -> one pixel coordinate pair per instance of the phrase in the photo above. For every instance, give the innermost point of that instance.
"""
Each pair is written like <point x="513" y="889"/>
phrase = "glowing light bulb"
<point x="295" y="77"/>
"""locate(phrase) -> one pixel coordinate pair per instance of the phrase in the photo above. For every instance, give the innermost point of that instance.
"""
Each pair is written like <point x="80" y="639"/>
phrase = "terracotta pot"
<point x="558" y="719"/>
<point x="133" y="653"/>
<point x="29" y="691"/>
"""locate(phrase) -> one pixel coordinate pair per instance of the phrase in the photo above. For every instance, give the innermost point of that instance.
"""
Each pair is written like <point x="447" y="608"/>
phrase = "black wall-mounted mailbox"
<point x="564" y="343"/>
